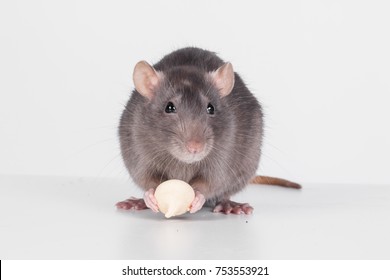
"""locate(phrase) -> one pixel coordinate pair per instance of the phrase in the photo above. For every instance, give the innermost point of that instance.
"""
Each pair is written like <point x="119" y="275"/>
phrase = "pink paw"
<point x="198" y="202"/>
<point x="231" y="207"/>
<point x="132" y="203"/>
<point x="150" y="200"/>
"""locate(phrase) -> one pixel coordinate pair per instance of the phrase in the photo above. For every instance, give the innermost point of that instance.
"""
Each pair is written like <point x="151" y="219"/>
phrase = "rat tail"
<point x="265" y="180"/>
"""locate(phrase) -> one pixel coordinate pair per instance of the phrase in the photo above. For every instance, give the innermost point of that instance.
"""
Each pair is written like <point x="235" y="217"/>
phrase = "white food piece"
<point x="174" y="197"/>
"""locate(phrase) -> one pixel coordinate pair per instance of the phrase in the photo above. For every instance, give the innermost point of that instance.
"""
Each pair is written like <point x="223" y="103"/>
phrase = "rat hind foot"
<point x="132" y="203"/>
<point x="231" y="207"/>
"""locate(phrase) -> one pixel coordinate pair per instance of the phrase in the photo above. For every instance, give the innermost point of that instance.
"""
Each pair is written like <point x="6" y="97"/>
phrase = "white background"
<point x="320" y="68"/>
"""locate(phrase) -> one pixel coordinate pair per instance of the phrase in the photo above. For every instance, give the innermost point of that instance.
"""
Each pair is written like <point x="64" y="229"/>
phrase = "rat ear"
<point x="146" y="79"/>
<point x="223" y="79"/>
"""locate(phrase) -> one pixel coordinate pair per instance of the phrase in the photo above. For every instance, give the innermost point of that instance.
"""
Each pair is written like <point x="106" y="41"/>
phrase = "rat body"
<point x="192" y="118"/>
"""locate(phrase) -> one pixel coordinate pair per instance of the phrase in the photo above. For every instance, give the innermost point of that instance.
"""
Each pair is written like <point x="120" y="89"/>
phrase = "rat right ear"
<point x="146" y="79"/>
<point x="223" y="78"/>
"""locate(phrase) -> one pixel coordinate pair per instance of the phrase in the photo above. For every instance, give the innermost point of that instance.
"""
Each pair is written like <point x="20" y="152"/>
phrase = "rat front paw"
<point x="231" y="207"/>
<point x="198" y="202"/>
<point x="150" y="200"/>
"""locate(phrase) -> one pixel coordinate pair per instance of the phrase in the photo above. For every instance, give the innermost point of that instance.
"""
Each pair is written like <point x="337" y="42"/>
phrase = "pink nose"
<point x="194" y="147"/>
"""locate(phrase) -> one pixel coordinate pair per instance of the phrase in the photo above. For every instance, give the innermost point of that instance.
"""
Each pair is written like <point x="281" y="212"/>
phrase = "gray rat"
<point x="192" y="118"/>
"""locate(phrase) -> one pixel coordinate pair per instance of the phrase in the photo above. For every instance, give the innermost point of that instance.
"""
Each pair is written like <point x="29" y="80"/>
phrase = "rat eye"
<point x="170" y="108"/>
<point x="210" y="109"/>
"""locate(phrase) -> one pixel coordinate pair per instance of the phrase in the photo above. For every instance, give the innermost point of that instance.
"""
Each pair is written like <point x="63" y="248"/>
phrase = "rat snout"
<point x="195" y="146"/>
<point x="195" y="137"/>
<point x="194" y="149"/>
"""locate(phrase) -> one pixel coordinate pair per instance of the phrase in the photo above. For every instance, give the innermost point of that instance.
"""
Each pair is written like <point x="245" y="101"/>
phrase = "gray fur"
<point x="232" y="136"/>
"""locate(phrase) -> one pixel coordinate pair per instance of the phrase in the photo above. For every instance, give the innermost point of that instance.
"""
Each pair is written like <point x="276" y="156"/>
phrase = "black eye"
<point x="170" y="108"/>
<point x="210" y="109"/>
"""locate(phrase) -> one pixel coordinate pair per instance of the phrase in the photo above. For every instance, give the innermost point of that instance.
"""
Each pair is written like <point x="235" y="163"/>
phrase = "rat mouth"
<point x="191" y="151"/>
<point x="188" y="158"/>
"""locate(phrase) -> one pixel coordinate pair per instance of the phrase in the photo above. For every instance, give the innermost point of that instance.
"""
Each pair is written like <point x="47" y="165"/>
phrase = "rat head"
<point x="185" y="111"/>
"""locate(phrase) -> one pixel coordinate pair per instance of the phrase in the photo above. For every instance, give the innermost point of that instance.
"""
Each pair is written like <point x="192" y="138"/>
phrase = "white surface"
<point x="75" y="218"/>
<point x="320" y="68"/>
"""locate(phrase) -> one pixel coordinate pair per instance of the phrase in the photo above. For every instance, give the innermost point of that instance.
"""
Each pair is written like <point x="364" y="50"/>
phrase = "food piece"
<point x="174" y="197"/>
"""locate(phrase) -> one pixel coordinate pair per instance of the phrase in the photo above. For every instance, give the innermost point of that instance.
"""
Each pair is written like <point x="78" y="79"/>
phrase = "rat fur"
<point x="191" y="117"/>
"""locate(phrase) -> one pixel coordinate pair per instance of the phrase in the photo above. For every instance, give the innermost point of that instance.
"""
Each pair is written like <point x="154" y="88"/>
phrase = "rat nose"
<point x="194" y="147"/>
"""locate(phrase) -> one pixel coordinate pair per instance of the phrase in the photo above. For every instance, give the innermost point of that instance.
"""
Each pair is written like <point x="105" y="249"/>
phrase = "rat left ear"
<point x="223" y="79"/>
<point x="146" y="79"/>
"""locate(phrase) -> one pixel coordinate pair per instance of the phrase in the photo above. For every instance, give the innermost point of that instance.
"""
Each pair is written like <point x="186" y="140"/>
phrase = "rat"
<point x="192" y="118"/>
